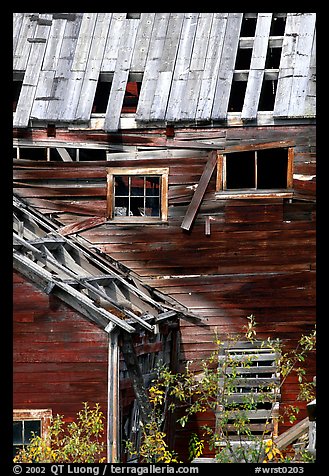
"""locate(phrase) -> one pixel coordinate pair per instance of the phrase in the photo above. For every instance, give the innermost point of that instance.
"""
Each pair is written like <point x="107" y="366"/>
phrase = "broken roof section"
<point x="177" y="67"/>
<point x="106" y="295"/>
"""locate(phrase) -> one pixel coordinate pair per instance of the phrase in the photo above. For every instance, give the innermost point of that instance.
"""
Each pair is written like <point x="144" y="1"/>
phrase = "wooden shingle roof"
<point x="187" y="63"/>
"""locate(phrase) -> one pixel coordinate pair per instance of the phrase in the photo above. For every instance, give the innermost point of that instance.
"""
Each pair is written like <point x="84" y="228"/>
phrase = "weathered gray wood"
<point x="93" y="67"/>
<point x="301" y="65"/>
<point x="211" y="68"/>
<point x="121" y="75"/>
<point x="54" y="44"/>
<point x="257" y="66"/>
<point x="286" y="67"/>
<point x="22" y="46"/>
<point x="25" y="101"/>
<point x="166" y="67"/>
<point x="152" y="66"/>
<point x="142" y="43"/>
<point x="43" y="94"/>
<point x="17" y="25"/>
<point x="292" y="434"/>
<point x="310" y="100"/>
<point x="226" y="66"/>
<point x="84" y="42"/>
<point x="112" y="43"/>
<point x="181" y="68"/>
<point x="113" y="405"/>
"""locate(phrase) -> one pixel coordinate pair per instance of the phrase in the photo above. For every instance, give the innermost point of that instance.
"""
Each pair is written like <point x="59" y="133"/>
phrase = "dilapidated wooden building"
<point x="164" y="190"/>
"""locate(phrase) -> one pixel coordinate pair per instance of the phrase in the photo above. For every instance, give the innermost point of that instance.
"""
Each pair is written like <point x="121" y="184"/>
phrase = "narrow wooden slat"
<point x="111" y="49"/>
<point x="226" y="66"/>
<point x="22" y="50"/>
<point x="181" y="67"/>
<point x="54" y="44"/>
<point x="257" y="66"/>
<point x="200" y="191"/>
<point x="142" y="43"/>
<point x="121" y="75"/>
<point x="211" y="67"/>
<point x="152" y="66"/>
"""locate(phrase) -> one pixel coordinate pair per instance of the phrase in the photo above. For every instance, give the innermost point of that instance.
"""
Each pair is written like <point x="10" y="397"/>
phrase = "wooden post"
<point x="113" y="417"/>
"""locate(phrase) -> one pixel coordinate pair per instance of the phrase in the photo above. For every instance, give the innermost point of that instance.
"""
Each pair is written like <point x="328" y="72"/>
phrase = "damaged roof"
<point x="188" y="65"/>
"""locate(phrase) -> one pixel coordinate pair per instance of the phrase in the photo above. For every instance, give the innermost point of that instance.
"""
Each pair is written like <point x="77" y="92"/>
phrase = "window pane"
<point x="121" y="186"/>
<point x="153" y="186"/>
<point x="137" y="186"/>
<point x="152" y="206"/>
<point x="121" y="206"/>
<point x="240" y="170"/>
<point x="272" y="168"/>
<point x="31" y="426"/>
<point x="136" y="206"/>
<point x="17" y="433"/>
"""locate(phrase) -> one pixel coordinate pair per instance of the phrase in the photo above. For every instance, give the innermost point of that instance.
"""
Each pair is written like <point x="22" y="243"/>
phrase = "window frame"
<point x="221" y="178"/>
<point x="163" y="172"/>
<point x="43" y="415"/>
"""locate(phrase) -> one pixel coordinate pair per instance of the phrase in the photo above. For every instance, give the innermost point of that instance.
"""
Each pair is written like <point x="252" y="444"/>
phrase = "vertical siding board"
<point x="257" y="66"/>
<point x="286" y="67"/>
<point x="18" y="19"/>
<point x="212" y="62"/>
<point x="181" y="67"/>
<point x="226" y="67"/>
<point x="152" y="66"/>
<point x="142" y="43"/>
<point x="42" y="95"/>
<point x="201" y="40"/>
<point x="301" y="66"/>
<point x="112" y="44"/>
<point x="23" y="47"/>
<point x="26" y="99"/>
<point x="168" y="57"/>
<point x="93" y="67"/>
<point x="120" y="77"/>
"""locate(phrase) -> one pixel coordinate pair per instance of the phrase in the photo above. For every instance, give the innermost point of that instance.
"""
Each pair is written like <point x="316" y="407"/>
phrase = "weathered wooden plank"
<point x="23" y="47"/>
<point x="84" y="42"/>
<point x="81" y="225"/>
<point x="226" y="66"/>
<point x="257" y="66"/>
<point x="43" y="94"/>
<point x="54" y="44"/>
<point x="121" y="75"/>
<point x="25" y="101"/>
<point x="199" y="193"/>
<point x="286" y="67"/>
<point x="142" y="43"/>
<point x="168" y="58"/>
<point x="111" y="49"/>
<point x="62" y="96"/>
<point x="181" y="67"/>
<point x="93" y="67"/>
<point x="152" y="66"/>
<point x="310" y="100"/>
<point x="301" y="65"/>
<point x="211" y="68"/>
<point x="18" y="19"/>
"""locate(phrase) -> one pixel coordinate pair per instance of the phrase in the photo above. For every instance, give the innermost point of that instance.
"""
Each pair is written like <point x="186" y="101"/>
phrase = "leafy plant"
<point x="75" y="442"/>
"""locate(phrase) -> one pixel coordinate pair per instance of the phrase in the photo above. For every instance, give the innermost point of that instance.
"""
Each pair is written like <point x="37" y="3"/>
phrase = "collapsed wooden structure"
<point x="164" y="188"/>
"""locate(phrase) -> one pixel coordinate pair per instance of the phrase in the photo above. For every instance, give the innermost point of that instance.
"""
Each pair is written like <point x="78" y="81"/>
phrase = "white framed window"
<point x="137" y="194"/>
<point x="27" y="423"/>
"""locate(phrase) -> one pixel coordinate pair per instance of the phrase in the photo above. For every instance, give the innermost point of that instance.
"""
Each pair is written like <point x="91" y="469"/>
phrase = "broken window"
<point x="17" y="86"/>
<point x="255" y="171"/>
<point x="137" y="194"/>
<point x="29" y="423"/>
<point x="131" y="97"/>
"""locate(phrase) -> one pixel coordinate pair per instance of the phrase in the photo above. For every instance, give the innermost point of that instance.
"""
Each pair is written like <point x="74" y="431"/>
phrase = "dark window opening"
<point x="238" y="90"/>
<point x="130" y="100"/>
<point x="137" y="195"/>
<point x="92" y="154"/>
<point x="273" y="58"/>
<point x="101" y="96"/>
<point x="243" y="58"/>
<point x="267" y="95"/>
<point x="278" y="25"/>
<point x="16" y="93"/>
<point x="133" y="15"/>
<point x="240" y="170"/>
<point x="33" y="153"/>
<point x="248" y="26"/>
<point x="23" y="431"/>
<point x="272" y="168"/>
